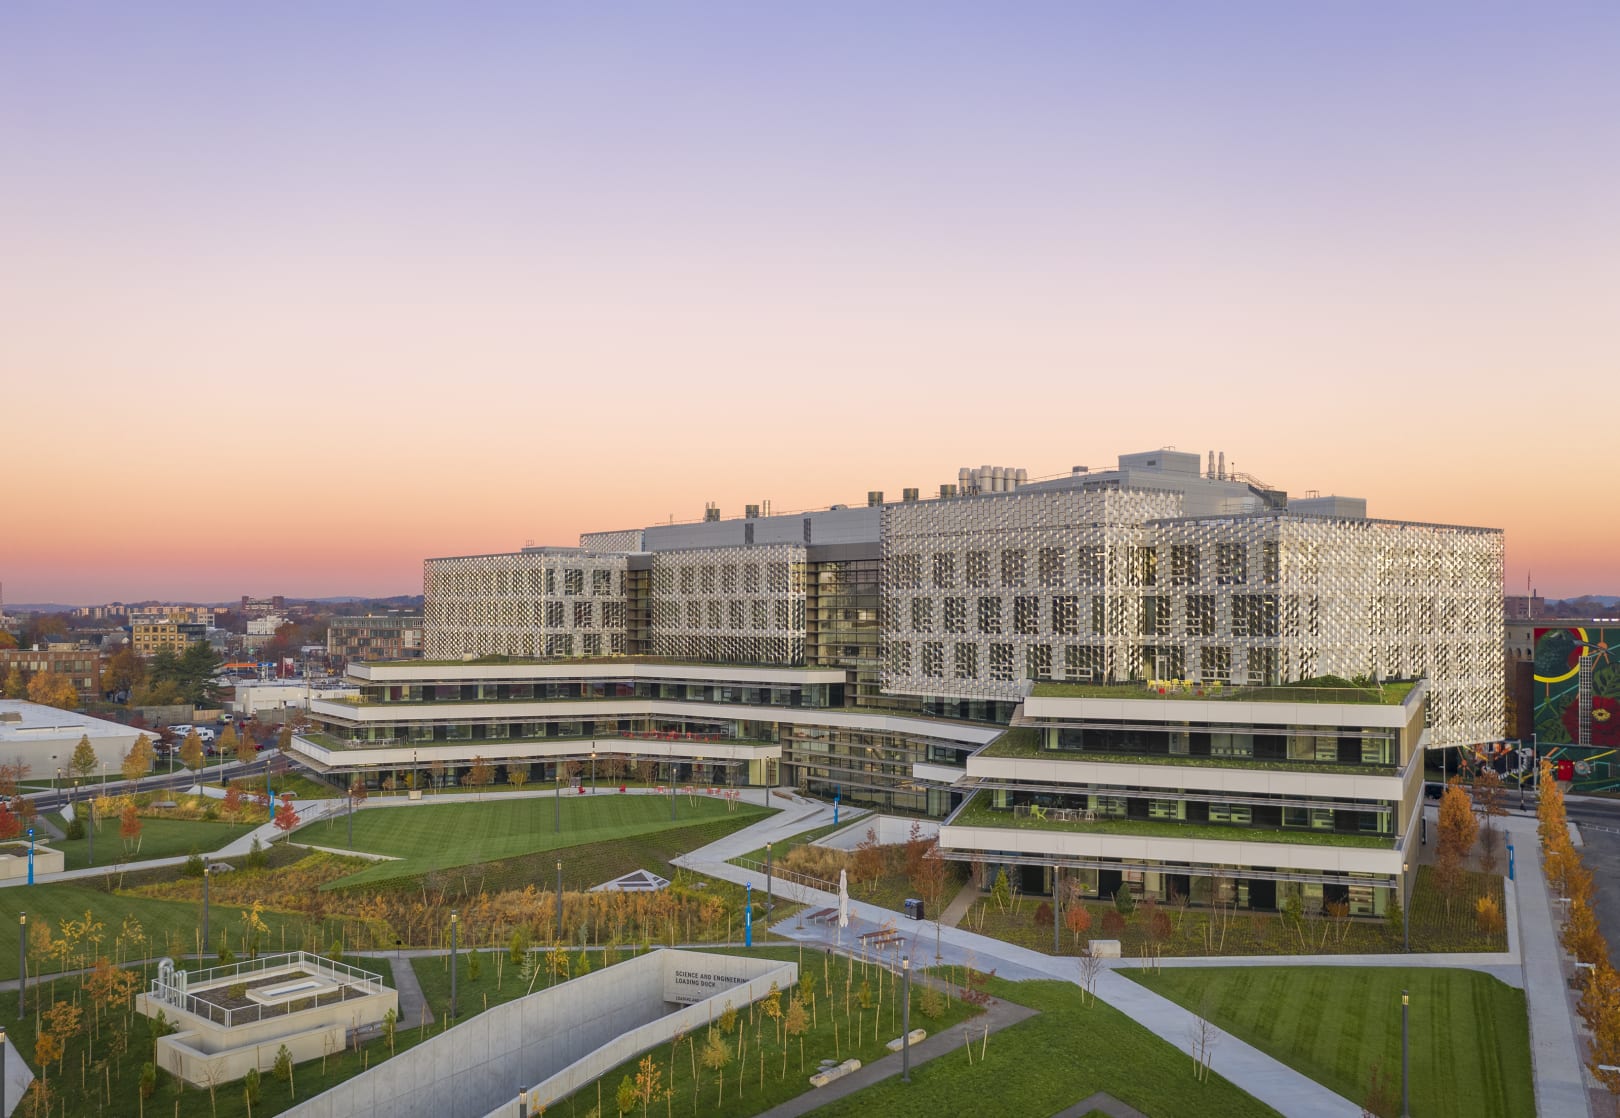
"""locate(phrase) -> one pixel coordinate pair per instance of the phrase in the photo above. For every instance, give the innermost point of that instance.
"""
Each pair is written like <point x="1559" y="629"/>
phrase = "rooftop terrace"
<point x="1323" y="689"/>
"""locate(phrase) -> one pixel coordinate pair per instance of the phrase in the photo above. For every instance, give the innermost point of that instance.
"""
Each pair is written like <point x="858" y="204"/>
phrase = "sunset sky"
<point x="293" y="295"/>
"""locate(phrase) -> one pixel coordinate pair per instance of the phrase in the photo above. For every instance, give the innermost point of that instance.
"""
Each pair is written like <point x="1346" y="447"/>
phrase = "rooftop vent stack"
<point x="946" y="492"/>
<point x="1211" y="472"/>
<point x="751" y="512"/>
<point x="964" y="480"/>
<point x="1222" y="467"/>
<point x="1086" y="469"/>
<point x="711" y="512"/>
<point x="908" y="495"/>
<point x="982" y="483"/>
<point x="1020" y="476"/>
<point x="874" y="498"/>
<point x="998" y="479"/>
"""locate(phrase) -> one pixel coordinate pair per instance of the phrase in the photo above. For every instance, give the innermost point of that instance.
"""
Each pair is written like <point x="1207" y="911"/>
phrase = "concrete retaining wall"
<point x="891" y="830"/>
<point x="559" y="1039"/>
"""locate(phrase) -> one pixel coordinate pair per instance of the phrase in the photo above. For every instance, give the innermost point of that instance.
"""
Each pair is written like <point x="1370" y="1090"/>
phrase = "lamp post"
<point x="22" y="969"/>
<point x="2" y="1069"/>
<point x="559" y="901"/>
<point x="523" y="1102"/>
<point x="1406" y="917"/>
<point x="1406" y="1110"/>
<point x="770" y="883"/>
<point x="905" y="1019"/>
<point x="748" y="916"/>
<point x="455" y="944"/>
<point x="30" y="855"/>
<point x="205" y="907"/>
<point x="559" y="800"/>
<point x="672" y="791"/>
<point x="593" y="770"/>
<point x="351" y="816"/>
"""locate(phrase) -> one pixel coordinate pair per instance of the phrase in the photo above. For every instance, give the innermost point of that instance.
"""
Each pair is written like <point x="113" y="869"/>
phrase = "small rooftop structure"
<point x="636" y="881"/>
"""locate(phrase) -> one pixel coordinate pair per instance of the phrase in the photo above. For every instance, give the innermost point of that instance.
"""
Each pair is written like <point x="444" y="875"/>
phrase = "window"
<point x="761" y="621"/>
<point x="956" y="615"/>
<point x="908" y="572"/>
<point x="1099" y="614"/>
<point x="584" y="615"/>
<point x="1143" y="566"/>
<point x="1039" y="662"/>
<point x="738" y="610"/>
<point x="1183" y="565"/>
<point x="1230" y="813"/>
<point x="694" y="615"/>
<point x="1090" y="561"/>
<point x="601" y="584"/>
<point x="573" y="582"/>
<point x="1001" y="662"/>
<point x="750" y="578"/>
<point x="1155" y="616"/>
<point x="776" y="577"/>
<point x="1200" y="615"/>
<point x="728" y="578"/>
<point x="1049" y="565"/>
<point x="978" y="569"/>
<point x="900" y="657"/>
<point x="1066" y="616"/>
<point x="1027" y="616"/>
<point x="592" y="643"/>
<point x="612" y="615"/>
<point x="1215" y="662"/>
<point x="1012" y="568"/>
<point x="783" y="615"/>
<point x="1254" y="615"/>
<point x="1082" y="662"/>
<point x="933" y="659"/>
<point x="559" y="644"/>
<point x="989" y="615"/>
<point x="922" y="615"/>
<point x="1231" y="564"/>
<point x="714" y="613"/>
<point x="554" y="615"/>
<point x="706" y="580"/>
<point x="944" y="571"/>
<point x="1270" y="562"/>
<point x="967" y="661"/>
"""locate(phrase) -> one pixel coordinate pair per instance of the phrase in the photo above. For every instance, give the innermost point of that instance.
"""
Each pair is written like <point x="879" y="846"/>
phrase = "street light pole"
<point x="1406" y="1110"/>
<point x="559" y="803"/>
<point x="22" y="969"/>
<point x="1406" y="917"/>
<point x="770" y="883"/>
<point x="593" y="771"/>
<point x="455" y="944"/>
<point x="205" y="907"/>
<point x="559" y="901"/>
<point x="905" y="1019"/>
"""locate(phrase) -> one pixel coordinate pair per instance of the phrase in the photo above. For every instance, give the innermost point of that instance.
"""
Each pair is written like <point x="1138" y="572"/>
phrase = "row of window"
<point x="1252" y="615"/>
<point x="444" y="580"/>
<point x="1052" y="566"/>
<point x="729" y="578"/>
<point x="1080" y="662"/>
<point x="734" y="613"/>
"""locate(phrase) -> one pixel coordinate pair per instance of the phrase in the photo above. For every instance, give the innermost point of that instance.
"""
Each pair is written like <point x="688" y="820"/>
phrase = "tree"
<point x="1077" y="918"/>
<point x="283" y="1069"/>
<point x="1600" y="1009"/>
<point x="649" y="1077"/>
<point x="191" y="751"/>
<point x="10" y="826"/>
<point x="246" y="750"/>
<point x="357" y="792"/>
<point x="1581" y="936"/>
<point x="10" y="775"/>
<point x="716" y="1055"/>
<point x="138" y="761"/>
<point x="517" y="775"/>
<point x="53" y="690"/>
<point x="286" y="817"/>
<point x="122" y="672"/>
<point x="1550" y="819"/>
<point x="1124" y="900"/>
<point x="16" y="685"/>
<point x="129" y="828"/>
<point x="83" y="761"/>
<point x="7" y="640"/>
<point x="1458" y="829"/>
<point x="228" y="741"/>
<point x="795" y="1023"/>
<point x="284" y="738"/>
<point x="480" y="774"/>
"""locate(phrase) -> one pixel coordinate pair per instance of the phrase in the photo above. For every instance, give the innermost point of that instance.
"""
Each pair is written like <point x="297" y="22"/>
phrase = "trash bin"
<point x="914" y="908"/>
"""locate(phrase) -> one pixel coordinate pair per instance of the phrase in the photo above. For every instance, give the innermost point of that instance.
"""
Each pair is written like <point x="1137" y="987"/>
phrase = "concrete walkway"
<point x="1104" y="1102"/>
<point x="413" y="1007"/>
<point x="997" y="1017"/>
<point x="958" y="908"/>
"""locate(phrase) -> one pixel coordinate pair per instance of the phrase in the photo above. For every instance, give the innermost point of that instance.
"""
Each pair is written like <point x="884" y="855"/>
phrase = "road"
<point x="180" y="778"/>
<point x="1599" y="822"/>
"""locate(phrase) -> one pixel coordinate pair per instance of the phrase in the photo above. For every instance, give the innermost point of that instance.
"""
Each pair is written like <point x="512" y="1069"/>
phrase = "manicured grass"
<point x="1049" y="1063"/>
<point x="299" y="786"/>
<point x="748" y="1085"/>
<point x="977" y="812"/>
<point x="1470" y="1045"/>
<point x="160" y="838"/>
<point x="427" y="837"/>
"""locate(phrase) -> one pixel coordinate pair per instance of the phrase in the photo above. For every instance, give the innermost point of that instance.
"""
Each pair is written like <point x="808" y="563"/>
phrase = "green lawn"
<point x="427" y="836"/>
<point x="160" y="838"/>
<point x="1469" y="1047"/>
<point x="1049" y="1063"/>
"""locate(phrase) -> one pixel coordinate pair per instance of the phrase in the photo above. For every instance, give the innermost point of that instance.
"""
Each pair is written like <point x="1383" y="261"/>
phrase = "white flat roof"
<point x="24" y="722"/>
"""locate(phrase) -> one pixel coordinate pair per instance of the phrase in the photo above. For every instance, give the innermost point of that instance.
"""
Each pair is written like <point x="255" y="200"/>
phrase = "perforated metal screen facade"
<point x="983" y="594"/>
<point x="528" y="604"/>
<point x="730" y="605"/>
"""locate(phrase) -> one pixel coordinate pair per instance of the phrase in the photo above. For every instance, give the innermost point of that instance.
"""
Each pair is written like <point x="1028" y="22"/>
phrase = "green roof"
<point x="1324" y="689"/>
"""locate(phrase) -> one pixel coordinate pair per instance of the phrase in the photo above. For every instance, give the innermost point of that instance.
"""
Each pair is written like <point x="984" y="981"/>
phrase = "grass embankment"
<point x="1469" y="1046"/>
<point x="160" y="838"/>
<point x="427" y="837"/>
<point x="1202" y="932"/>
<point x="1049" y="1063"/>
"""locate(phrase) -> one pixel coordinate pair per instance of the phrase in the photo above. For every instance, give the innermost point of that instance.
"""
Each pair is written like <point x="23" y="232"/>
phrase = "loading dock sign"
<point x="688" y="986"/>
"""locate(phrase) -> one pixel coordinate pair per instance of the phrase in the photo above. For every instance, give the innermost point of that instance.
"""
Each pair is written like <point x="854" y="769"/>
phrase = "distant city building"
<point x="258" y="607"/>
<point x="265" y="626"/>
<point x="113" y="611"/>
<point x="189" y="615"/>
<point x="393" y="636"/>
<point x="81" y="666"/>
<point x="1002" y="659"/>
<point x="151" y="637"/>
<point x="1519" y="607"/>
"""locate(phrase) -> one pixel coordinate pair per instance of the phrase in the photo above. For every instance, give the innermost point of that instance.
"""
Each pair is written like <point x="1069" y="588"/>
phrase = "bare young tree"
<point x="1203" y="1035"/>
<point x="1091" y="967"/>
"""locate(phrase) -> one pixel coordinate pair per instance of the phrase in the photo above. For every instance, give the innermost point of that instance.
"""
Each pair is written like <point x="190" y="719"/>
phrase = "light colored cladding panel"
<point x="731" y="605"/>
<point x="524" y="604"/>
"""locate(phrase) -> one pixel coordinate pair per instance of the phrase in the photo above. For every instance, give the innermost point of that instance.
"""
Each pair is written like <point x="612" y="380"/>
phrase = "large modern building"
<point x="885" y="653"/>
<point x="389" y="636"/>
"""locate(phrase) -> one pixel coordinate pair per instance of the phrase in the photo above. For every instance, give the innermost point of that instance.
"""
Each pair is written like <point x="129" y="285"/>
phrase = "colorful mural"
<point x="1557" y="686"/>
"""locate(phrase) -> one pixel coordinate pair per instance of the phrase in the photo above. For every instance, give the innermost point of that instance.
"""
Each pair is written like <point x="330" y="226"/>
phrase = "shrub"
<point x="226" y="956"/>
<point x="237" y="989"/>
<point x="194" y="865"/>
<point x="475" y="964"/>
<point x="518" y="947"/>
<point x="1124" y="901"/>
<point x="75" y="828"/>
<point x="250" y="1086"/>
<point x="1043" y="915"/>
<point x="256" y="859"/>
<point x="1112" y="924"/>
<point x="1488" y="915"/>
<point x="148" y="1080"/>
<point x="210" y="813"/>
<point x="932" y="1002"/>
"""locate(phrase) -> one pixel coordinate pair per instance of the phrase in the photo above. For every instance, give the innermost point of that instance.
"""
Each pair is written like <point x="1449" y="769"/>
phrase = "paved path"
<point x="999" y="1016"/>
<point x="1104" y="1102"/>
<point x="413" y="1006"/>
<point x="958" y="908"/>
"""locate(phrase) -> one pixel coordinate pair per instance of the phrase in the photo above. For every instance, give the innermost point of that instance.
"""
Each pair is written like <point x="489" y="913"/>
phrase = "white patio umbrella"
<point x="843" y="904"/>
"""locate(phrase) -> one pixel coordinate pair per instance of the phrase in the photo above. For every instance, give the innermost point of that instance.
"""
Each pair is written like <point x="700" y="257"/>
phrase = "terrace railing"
<point x="353" y="982"/>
